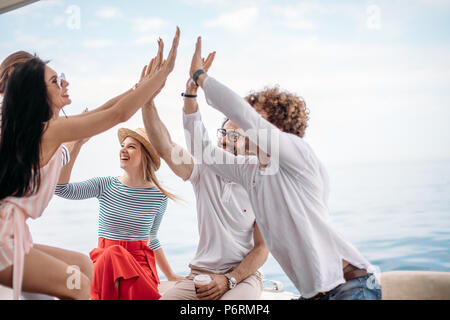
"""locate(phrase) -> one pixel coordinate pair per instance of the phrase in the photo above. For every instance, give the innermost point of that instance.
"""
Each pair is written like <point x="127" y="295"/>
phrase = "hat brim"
<point x="123" y="133"/>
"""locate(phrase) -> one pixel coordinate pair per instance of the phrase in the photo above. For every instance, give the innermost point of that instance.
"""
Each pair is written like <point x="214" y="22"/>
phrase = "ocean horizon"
<point x="396" y="214"/>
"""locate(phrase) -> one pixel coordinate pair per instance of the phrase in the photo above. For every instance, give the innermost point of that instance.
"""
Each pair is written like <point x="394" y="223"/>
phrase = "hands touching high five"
<point x="199" y="63"/>
<point x="158" y="68"/>
<point x="159" y="65"/>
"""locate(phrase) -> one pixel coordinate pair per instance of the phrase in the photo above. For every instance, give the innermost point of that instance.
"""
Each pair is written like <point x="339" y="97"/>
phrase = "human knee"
<point x="83" y="290"/>
<point x="183" y="290"/>
<point x="86" y="266"/>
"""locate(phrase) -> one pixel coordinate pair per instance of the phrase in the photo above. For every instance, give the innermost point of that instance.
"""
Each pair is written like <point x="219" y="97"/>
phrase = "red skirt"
<point x="130" y="262"/>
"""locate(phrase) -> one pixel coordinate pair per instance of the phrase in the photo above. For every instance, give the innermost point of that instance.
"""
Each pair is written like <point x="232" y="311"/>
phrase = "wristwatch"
<point x="231" y="281"/>
<point x="196" y="75"/>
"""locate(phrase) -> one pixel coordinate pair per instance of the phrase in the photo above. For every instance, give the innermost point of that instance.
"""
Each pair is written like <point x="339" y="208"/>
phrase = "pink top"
<point x="15" y="237"/>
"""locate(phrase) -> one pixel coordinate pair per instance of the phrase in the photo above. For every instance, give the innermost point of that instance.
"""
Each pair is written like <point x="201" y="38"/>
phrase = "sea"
<point x="396" y="214"/>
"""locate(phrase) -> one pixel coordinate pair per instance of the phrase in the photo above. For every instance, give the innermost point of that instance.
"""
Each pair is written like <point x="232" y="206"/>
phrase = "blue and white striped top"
<point x="126" y="213"/>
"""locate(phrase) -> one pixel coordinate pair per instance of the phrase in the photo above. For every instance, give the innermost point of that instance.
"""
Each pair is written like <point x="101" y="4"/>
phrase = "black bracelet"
<point x="188" y="95"/>
<point x="196" y="75"/>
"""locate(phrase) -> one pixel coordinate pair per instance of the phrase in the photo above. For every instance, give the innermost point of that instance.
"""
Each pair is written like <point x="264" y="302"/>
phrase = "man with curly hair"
<point x="288" y="189"/>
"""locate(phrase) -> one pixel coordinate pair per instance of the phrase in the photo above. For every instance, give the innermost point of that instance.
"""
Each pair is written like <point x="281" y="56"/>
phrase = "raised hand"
<point x="158" y="66"/>
<point x="198" y="62"/>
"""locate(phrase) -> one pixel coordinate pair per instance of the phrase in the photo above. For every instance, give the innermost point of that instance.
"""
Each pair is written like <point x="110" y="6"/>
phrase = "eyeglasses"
<point x="59" y="81"/>
<point x="230" y="134"/>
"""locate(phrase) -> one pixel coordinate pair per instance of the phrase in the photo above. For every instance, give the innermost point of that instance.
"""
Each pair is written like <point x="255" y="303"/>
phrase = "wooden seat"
<point x="415" y="285"/>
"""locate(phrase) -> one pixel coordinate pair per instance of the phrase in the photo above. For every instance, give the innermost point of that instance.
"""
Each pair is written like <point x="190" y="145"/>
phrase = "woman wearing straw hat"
<point x="131" y="210"/>
<point x="32" y="155"/>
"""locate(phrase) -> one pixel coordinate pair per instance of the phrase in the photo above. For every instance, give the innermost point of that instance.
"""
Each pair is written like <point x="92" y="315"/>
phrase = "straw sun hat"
<point x="141" y="136"/>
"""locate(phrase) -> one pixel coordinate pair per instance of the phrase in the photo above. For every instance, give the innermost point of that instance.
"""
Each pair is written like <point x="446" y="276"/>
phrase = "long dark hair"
<point x="25" y="112"/>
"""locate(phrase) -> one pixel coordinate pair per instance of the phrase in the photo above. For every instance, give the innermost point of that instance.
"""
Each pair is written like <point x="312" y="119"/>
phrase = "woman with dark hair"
<point x="31" y="158"/>
<point x="7" y="67"/>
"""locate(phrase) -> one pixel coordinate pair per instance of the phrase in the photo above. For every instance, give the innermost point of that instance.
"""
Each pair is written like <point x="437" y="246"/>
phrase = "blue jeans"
<point x="363" y="288"/>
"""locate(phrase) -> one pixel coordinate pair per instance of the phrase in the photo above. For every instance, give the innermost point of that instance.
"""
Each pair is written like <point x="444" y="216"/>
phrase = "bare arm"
<point x="176" y="157"/>
<point x="66" y="171"/>
<point x="110" y="103"/>
<point x="74" y="149"/>
<point x="284" y="149"/>
<point x="163" y="264"/>
<point x="254" y="260"/>
<point x="62" y="130"/>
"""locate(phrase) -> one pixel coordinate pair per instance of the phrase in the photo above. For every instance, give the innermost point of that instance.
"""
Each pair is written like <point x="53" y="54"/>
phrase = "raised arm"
<point x="62" y="130"/>
<point x="74" y="148"/>
<point x="176" y="157"/>
<point x="108" y="104"/>
<point x="285" y="149"/>
<point x="190" y="101"/>
<point x="223" y="163"/>
<point x="66" y="171"/>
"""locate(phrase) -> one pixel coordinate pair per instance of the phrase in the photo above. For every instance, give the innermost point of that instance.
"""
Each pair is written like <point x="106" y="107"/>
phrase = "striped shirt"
<point x="126" y="213"/>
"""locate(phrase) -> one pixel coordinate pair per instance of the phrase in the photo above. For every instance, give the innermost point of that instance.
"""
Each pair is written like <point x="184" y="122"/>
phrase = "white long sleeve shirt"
<point x="226" y="220"/>
<point x="289" y="198"/>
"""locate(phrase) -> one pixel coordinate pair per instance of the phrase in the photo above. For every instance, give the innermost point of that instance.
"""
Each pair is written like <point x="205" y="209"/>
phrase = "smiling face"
<point x="235" y="146"/>
<point x="57" y="95"/>
<point x="131" y="155"/>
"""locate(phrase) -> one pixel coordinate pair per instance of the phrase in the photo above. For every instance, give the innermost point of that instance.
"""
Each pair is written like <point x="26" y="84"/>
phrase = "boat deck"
<point x="396" y="285"/>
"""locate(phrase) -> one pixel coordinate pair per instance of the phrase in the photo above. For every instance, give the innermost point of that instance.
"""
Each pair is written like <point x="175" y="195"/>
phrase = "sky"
<point x="375" y="74"/>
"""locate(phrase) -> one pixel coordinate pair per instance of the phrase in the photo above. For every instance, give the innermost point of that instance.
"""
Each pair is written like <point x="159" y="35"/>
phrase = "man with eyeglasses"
<point x="232" y="139"/>
<point x="231" y="248"/>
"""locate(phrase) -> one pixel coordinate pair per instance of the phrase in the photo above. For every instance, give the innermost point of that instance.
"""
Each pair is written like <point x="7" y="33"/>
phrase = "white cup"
<point x="201" y="280"/>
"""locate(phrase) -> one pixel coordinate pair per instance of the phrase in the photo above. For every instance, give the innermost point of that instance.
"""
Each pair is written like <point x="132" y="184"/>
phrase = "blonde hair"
<point x="12" y="61"/>
<point x="149" y="169"/>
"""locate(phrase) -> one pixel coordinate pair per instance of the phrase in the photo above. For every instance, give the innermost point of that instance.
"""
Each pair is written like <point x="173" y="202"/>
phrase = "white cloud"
<point x="148" y="39"/>
<point x="109" y="13"/>
<point x="235" y="21"/>
<point x="205" y="2"/>
<point x="298" y="24"/>
<point x="33" y="43"/>
<point x="301" y="16"/>
<point x="97" y="43"/>
<point x="148" y="24"/>
<point x="296" y="16"/>
<point x="59" y="20"/>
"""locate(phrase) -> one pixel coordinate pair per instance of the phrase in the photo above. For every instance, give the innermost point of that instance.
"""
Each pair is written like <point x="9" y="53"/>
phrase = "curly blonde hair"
<point x="284" y="110"/>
